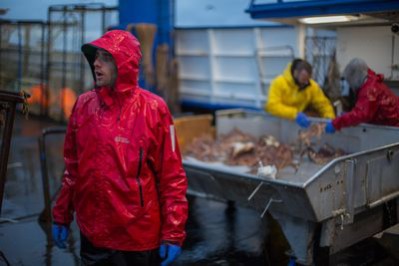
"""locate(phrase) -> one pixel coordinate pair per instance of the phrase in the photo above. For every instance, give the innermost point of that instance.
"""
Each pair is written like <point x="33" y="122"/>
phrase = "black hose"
<point x="3" y="257"/>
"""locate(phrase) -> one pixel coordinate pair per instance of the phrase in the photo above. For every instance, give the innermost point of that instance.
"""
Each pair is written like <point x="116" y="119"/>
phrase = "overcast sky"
<point x="37" y="9"/>
<point x="189" y="13"/>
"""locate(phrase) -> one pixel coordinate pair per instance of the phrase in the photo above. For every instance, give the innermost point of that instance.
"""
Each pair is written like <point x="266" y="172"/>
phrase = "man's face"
<point x="302" y="77"/>
<point x="104" y="69"/>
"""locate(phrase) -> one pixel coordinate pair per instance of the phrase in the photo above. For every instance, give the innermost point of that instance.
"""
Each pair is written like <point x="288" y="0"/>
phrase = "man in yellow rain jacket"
<point x="293" y="91"/>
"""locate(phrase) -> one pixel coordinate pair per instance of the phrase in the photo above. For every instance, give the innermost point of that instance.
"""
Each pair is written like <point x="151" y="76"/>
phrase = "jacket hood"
<point x="287" y="74"/>
<point x="125" y="49"/>
<point x="371" y="78"/>
<point x="372" y="74"/>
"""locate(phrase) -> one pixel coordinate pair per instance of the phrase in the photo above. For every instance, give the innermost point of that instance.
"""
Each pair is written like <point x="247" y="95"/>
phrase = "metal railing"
<point x="8" y="104"/>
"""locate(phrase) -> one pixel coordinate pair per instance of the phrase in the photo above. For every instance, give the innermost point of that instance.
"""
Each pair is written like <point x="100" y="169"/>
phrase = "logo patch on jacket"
<point x="121" y="139"/>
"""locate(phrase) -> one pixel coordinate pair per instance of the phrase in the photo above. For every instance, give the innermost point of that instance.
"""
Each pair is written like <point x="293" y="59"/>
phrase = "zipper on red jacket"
<point x="138" y="177"/>
<point x="120" y="113"/>
<point x="118" y="118"/>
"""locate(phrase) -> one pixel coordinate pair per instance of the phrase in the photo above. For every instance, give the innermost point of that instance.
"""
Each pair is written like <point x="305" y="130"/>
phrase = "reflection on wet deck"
<point x="218" y="233"/>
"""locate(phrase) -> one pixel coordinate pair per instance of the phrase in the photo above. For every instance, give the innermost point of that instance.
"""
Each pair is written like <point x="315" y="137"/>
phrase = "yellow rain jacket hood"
<point x="286" y="99"/>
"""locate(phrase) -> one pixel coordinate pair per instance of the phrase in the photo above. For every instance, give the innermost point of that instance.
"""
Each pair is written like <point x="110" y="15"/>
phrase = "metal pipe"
<point x="48" y="64"/>
<point x="5" y="146"/>
<point x="46" y="214"/>
<point x="42" y="75"/>
<point x="172" y="34"/>
<point x="383" y="200"/>
<point x="46" y="217"/>
<point x="392" y="56"/>
<point x="19" y="56"/>
<point x="64" y="63"/>
<point x="255" y="191"/>
<point x="82" y="63"/>
<point x="53" y="130"/>
<point x="26" y="49"/>
<point x="268" y="206"/>
<point x="1" y="59"/>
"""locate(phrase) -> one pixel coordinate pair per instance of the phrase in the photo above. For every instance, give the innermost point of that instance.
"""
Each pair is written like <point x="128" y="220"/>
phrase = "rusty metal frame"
<point x="8" y="103"/>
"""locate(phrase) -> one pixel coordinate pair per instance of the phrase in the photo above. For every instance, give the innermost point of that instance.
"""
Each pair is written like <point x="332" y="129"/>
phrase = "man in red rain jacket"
<point x="375" y="102"/>
<point x="124" y="176"/>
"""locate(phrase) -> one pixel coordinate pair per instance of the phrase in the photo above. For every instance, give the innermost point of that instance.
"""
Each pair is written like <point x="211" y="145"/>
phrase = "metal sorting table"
<point x="333" y="205"/>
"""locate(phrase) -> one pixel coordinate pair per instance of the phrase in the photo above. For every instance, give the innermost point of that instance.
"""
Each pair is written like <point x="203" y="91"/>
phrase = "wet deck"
<point x="217" y="233"/>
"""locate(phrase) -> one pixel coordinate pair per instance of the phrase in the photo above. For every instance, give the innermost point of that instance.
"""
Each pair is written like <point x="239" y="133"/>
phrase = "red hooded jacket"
<point x="375" y="104"/>
<point x="124" y="176"/>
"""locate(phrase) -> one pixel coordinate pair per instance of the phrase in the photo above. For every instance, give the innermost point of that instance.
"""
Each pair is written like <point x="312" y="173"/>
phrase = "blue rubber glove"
<point x="330" y="129"/>
<point x="302" y="120"/>
<point x="60" y="234"/>
<point x="292" y="262"/>
<point x="169" y="253"/>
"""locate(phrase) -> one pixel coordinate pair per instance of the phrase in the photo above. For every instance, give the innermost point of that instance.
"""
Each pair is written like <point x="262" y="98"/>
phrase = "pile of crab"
<point x="238" y="148"/>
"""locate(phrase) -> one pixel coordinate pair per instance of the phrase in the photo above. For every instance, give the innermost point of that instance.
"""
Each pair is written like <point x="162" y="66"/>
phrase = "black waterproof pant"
<point x="91" y="255"/>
